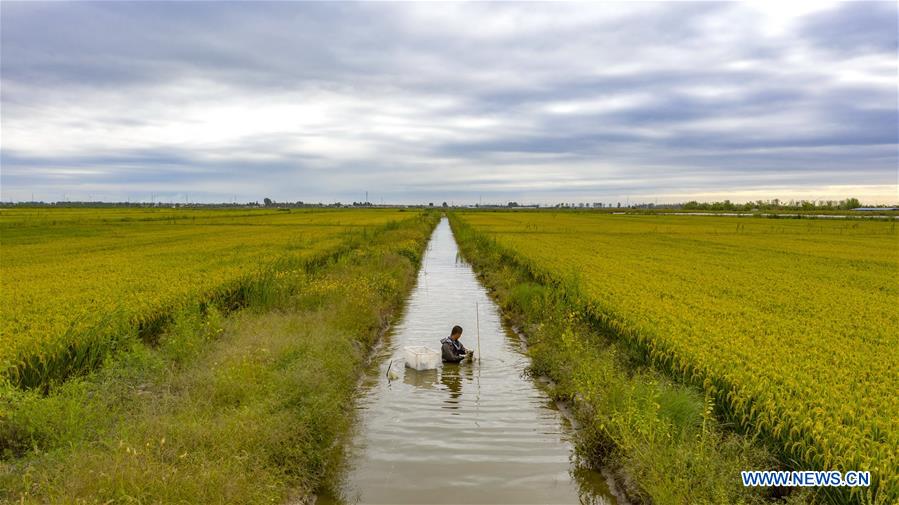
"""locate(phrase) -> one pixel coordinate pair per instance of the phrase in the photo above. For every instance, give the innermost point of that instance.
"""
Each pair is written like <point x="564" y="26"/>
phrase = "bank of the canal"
<point x="480" y="432"/>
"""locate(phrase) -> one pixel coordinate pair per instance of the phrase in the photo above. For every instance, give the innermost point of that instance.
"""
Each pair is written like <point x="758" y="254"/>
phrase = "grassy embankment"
<point x="244" y="408"/>
<point x="660" y="436"/>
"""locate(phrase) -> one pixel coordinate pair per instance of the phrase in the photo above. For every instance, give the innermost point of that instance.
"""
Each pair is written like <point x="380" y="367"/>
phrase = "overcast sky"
<point x="458" y="102"/>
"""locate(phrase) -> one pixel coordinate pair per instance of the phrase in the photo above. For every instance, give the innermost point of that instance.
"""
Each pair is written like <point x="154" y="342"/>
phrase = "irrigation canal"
<point x="473" y="433"/>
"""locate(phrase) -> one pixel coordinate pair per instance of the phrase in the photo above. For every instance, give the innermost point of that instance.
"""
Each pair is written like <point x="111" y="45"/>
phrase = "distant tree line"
<point x="775" y="204"/>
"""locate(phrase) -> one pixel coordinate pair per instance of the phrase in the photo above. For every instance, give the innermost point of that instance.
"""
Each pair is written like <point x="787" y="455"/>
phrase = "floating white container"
<point x="419" y="357"/>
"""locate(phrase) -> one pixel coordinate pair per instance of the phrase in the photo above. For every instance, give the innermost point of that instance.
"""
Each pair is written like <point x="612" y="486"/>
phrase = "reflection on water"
<point x="420" y="378"/>
<point x="477" y="432"/>
<point x="451" y="377"/>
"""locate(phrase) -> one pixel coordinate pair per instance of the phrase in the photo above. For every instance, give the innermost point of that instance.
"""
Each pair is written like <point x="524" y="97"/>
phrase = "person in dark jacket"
<point x="453" y="351"/>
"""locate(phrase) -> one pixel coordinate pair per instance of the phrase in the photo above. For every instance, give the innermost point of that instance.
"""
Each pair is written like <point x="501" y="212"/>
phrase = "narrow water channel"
<point x="472" y="433"/>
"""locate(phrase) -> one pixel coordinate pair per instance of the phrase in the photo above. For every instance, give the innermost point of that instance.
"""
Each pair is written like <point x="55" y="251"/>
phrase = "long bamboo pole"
<point x="477" y="318"/>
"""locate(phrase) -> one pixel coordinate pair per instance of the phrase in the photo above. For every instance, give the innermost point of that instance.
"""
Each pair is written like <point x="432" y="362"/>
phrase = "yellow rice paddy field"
<point x="792" y="324"/>
<point x="72" y="279"/>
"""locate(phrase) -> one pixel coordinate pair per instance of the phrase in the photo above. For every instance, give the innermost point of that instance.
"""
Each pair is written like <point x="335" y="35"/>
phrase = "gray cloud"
<point x="413" y="102"/>
<point x="854" y="27"/>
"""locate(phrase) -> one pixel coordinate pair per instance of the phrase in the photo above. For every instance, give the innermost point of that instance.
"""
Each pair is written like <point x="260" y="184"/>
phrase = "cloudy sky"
<point x="458" y="102"/>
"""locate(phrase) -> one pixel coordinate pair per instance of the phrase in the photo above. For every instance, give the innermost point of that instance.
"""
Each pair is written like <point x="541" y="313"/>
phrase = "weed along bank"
<point x="478" y="431"/>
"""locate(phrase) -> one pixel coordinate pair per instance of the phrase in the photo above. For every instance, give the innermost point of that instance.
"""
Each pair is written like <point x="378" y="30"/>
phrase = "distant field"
<point x="792" y="323"/>
<point x="71" y="278"/>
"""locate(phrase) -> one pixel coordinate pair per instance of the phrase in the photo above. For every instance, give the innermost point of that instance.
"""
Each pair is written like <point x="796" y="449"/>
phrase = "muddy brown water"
<point x="475" y="433"/>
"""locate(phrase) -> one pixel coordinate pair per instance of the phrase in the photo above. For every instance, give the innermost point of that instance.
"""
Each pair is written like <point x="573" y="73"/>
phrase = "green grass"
<point x="246" y="408"/>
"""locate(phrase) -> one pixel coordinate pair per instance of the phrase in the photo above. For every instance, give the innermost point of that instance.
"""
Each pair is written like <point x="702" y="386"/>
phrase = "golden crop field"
<point x="793" y="324"/>
<point x="72" y="278"/>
